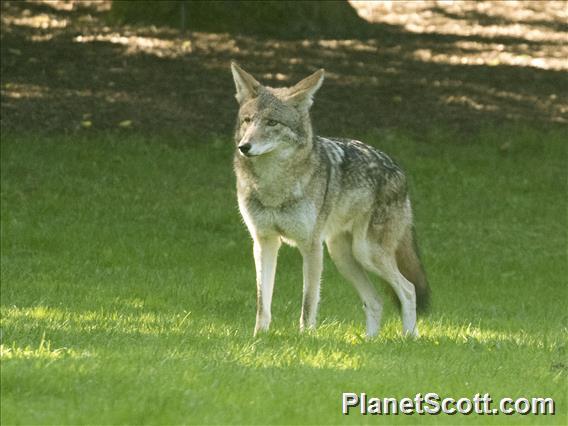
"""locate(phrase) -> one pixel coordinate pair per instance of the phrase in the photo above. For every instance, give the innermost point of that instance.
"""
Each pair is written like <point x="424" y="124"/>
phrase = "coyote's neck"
<point x="273" y="182"/>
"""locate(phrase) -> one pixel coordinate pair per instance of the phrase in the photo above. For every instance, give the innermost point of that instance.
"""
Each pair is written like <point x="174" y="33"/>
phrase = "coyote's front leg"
<point x="265" y="255"/>
<point x="313" y="266"/>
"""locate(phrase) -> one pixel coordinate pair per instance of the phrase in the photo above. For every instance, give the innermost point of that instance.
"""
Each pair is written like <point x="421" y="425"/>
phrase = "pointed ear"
<point x="302" y="93"/>
<point x="246" y="85"/>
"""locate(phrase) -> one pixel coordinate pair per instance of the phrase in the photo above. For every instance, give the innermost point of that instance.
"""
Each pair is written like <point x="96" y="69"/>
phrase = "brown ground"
<point x="458" y="66"/>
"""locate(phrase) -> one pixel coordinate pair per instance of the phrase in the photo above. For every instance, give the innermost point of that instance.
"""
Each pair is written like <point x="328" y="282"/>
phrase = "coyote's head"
<point x="273" y="120"/>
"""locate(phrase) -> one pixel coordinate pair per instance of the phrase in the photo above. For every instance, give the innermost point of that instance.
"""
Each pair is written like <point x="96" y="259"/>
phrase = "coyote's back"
<point x="306" y="190"/>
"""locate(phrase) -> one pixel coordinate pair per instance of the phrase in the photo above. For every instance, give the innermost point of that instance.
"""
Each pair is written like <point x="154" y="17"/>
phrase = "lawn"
<point x="128" y="294"/>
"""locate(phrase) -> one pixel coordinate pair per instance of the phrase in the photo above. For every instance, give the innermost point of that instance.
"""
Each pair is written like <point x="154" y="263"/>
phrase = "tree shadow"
<point x="486" y="19"/>
<point x="68" y="67"/>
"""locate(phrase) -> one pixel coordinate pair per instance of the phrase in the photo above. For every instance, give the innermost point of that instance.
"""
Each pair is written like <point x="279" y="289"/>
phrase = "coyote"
<point x="305" y="190"/>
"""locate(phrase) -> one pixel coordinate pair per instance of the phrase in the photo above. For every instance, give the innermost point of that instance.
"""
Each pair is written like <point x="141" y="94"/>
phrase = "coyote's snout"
<point x="307" y="190"/>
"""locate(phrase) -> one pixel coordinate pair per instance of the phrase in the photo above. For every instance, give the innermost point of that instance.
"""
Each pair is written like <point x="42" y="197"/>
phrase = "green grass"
<point x="128" y="295"/>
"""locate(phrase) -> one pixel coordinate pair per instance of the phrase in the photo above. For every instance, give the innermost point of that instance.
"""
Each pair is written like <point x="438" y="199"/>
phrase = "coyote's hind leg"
<point x="341" y="252"/>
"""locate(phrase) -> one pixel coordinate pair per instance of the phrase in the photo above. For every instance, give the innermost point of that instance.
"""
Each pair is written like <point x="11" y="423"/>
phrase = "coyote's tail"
<point x="409" y="264"/>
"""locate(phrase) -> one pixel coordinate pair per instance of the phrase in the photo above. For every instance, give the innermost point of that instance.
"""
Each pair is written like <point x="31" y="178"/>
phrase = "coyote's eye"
<point x="246" y="120"/>
<point x="272" y="122"/>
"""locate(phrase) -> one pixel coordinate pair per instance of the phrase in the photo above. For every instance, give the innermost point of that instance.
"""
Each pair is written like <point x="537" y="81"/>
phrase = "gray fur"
<point x="305" y="190"/>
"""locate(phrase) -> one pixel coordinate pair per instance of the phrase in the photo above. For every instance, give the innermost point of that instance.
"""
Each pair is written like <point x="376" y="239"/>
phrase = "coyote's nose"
<point x="245" y="148"/>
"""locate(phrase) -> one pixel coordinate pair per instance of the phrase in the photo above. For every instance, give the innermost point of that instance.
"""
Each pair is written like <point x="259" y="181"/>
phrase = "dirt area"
<point x="455" y="65"/>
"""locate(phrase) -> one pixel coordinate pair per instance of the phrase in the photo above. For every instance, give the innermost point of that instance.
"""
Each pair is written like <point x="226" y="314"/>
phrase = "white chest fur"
<point x="294" y="221"/>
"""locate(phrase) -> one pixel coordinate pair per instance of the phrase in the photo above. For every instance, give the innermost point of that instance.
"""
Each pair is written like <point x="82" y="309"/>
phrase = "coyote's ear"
<point x="247" y="86"/>
<point x="302" y="93"/>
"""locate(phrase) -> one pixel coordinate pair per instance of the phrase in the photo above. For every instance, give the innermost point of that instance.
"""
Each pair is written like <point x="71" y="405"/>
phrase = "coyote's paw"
<point x="262" y="325"/>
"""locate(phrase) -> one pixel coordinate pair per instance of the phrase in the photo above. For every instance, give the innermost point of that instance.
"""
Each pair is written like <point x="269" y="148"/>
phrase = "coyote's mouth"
<point x="248" y="152"/>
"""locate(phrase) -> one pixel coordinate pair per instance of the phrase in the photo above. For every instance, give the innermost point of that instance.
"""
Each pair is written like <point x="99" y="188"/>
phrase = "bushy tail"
<point x="409" y="264"/>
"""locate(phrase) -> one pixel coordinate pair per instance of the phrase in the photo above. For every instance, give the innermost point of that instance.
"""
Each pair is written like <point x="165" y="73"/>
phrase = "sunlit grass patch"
<point x="292" y="354"/>
<point x="43" y="351"/>
<point x="491" y="339"/>
<point x="54" y="319"/>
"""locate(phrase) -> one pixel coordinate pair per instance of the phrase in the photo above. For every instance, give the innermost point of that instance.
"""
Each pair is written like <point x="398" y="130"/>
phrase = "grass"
<point x="128" y="296"/>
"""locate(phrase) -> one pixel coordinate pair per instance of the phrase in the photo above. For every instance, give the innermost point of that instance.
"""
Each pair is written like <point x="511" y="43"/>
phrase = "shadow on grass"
<point x="66" y="71"/>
